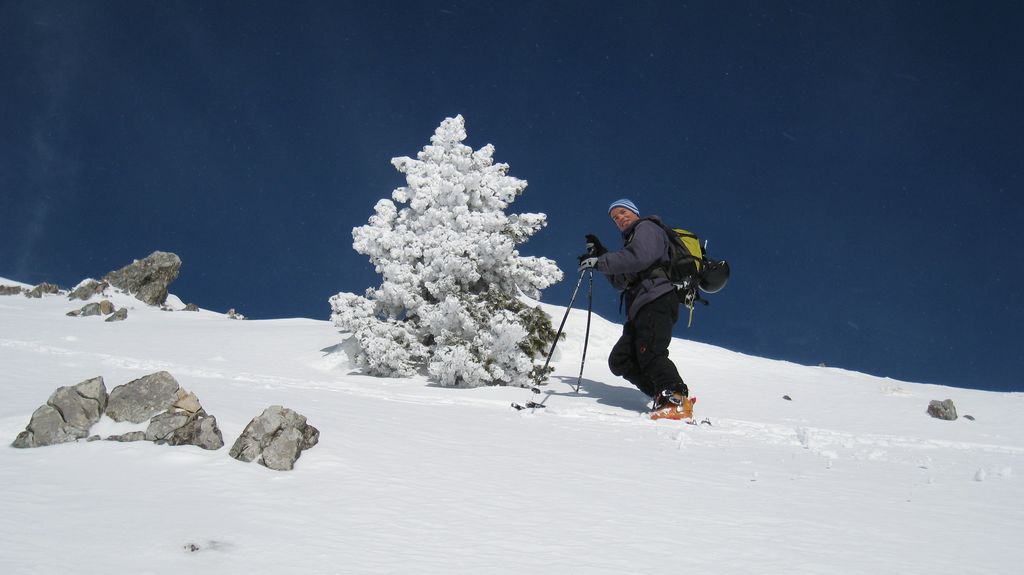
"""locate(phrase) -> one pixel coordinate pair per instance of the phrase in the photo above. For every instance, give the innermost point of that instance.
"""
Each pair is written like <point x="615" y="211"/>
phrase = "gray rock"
<point x="182" y="428"/>
<point x="43" y="288"/>
<point x="147" y="278"/>
<point x="95" y="308"/>
<point x="232" y="314"/>
<point x="275" y="439"/>
<point x="83" y="404"/>
<point x="87" y="289"/>
<point x="942" y="409"/>
<point x="130" y="436"/>
<point x="67" y="415"/>
<point x="141" y="399"/>
<point x="283" y="450"/>
<point x="203" y="432"/>
<point x="163" y="426"/>
<point x="10" y="290"/>
<point x="47" y="427"/>
<point x="119" y="315"/>
<point x="191" y="307"/>
<point x="175" y="416"/>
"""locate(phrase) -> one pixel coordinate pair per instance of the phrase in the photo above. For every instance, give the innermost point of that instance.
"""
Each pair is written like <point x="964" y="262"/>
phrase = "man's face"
<point x="623" y="218"/>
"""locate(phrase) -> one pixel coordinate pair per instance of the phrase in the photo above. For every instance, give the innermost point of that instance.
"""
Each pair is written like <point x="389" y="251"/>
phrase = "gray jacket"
<point x="645" y="244"/>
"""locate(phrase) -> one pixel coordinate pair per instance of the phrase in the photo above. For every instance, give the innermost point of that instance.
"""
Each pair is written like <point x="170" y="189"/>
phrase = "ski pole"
<point x="586" y="338"/>
<point x="564" y="317"/>
<point x="535" y="405"/>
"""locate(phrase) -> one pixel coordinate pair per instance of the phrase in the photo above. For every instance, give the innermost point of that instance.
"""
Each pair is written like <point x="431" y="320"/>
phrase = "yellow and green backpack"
<point x="689" y="268"/>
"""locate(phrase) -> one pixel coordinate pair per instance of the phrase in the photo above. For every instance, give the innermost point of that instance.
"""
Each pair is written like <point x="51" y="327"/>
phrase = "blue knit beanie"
<point x="624" y="203"/>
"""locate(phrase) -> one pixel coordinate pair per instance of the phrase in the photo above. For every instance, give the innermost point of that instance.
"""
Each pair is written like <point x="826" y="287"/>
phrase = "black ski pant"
<point x="641" y="354"/>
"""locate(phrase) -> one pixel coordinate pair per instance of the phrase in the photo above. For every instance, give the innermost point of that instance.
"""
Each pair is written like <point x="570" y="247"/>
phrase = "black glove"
<point x="594" y="247"/>
<point x="587" y="263"/>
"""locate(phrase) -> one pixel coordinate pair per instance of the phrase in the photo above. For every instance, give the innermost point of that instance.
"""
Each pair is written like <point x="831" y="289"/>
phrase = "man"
<point x="652" y="308"/>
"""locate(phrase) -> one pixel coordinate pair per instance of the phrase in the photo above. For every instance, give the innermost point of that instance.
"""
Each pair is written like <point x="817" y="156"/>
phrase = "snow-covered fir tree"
<point x="450" y="302"/>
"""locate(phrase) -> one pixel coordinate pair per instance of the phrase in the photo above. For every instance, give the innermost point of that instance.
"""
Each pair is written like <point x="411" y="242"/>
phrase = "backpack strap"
<point x="658" y="269"/>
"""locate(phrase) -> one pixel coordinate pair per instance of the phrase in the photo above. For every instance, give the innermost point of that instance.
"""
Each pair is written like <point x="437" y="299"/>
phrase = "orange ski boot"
<point x="673" y="405"/>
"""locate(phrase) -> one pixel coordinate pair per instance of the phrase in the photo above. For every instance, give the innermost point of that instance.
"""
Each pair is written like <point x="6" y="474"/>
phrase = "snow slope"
<point x="850" y="476"/>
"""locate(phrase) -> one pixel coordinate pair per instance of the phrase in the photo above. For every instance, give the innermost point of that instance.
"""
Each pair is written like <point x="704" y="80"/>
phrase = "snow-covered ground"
<point x="849" y="476"/>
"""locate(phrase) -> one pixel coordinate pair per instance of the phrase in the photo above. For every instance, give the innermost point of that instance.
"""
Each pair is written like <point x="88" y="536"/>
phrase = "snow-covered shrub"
<point x="450" y="301"/>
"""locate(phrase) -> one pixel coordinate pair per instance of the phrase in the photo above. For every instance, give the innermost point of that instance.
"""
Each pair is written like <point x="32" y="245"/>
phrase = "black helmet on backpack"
<point x="714" y="275"/>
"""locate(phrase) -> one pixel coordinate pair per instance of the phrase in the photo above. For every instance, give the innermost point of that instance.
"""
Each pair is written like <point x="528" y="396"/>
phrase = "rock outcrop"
<point x="10" y="290"/>
<point x="147" y="278"/>
<point x="274" y="439"/>
<point x="175" y="416"/>
<point x="41" y="289"/>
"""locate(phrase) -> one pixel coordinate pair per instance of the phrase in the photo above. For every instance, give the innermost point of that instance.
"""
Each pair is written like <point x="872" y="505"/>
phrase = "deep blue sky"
<point x="859" y="163"/>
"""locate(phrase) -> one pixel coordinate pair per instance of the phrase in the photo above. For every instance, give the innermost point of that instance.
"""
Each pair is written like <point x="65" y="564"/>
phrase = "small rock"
<point x="180" y="428"/>
<point x="119" y="315"/>
<point x="234" y="314"/>
<point x="942" y="409"/>
<point x="163" y="425"/>
<point x="188" y="402"/>
<point x="191" y="307"/>
<point x="275" y="439"/>
<point x="87" y="289"/>
<point x="128" y="437"/>
<point x="87" y="310"/>
<point x="787" y="398"/>
<point x="10" y="290"/>
<point x="210" y="545"/>
<point x="969" y="417"/>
